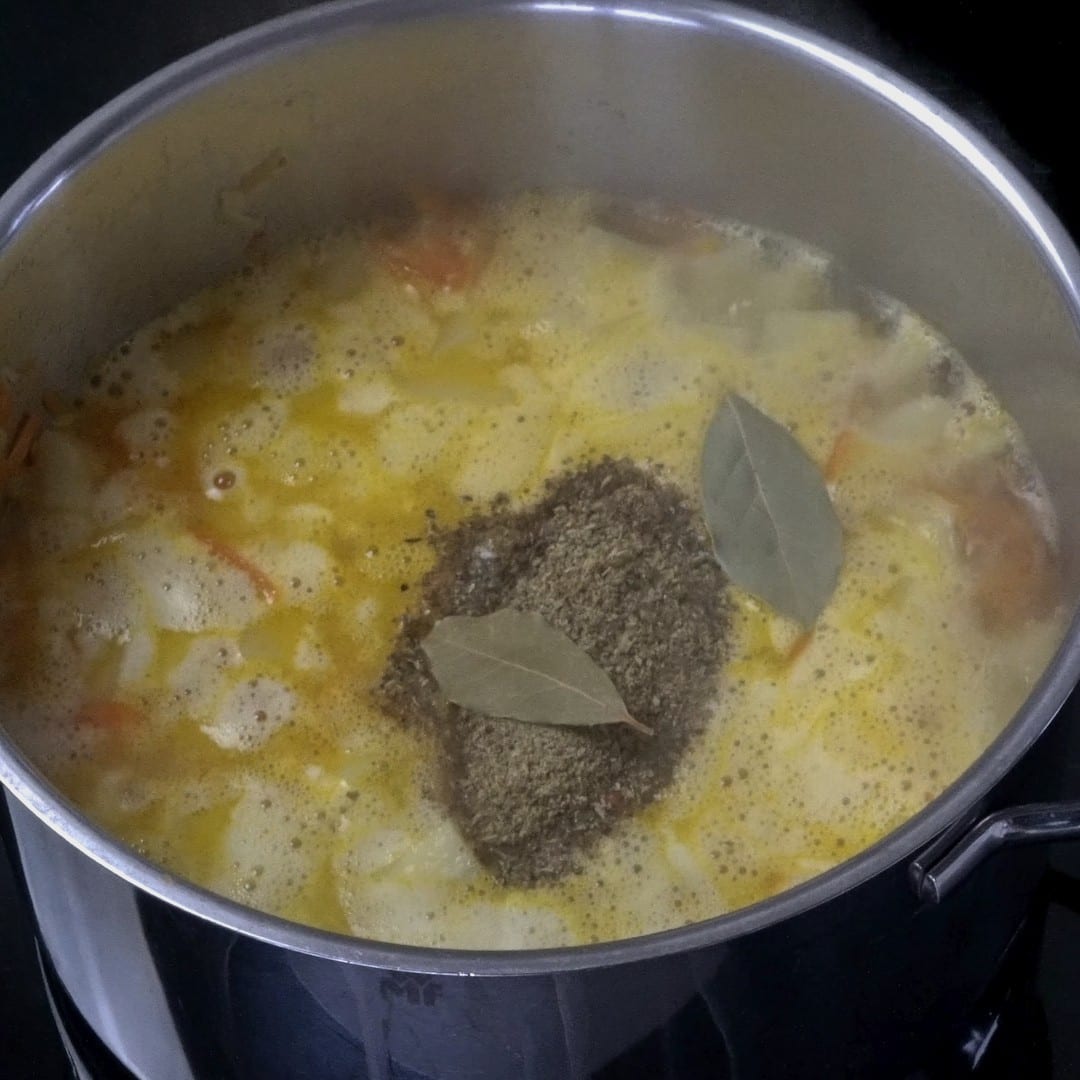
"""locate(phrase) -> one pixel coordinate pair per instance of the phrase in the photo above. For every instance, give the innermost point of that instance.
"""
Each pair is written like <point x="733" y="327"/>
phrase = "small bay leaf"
<point x="514" y="664"/>
<point x="768" y="511"/>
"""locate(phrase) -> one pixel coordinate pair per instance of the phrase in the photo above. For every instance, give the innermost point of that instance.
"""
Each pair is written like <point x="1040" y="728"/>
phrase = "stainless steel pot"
<point x="283" y="130"/>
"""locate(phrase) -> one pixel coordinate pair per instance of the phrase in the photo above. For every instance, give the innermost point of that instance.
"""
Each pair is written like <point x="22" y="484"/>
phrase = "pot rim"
<point x="289" y="33"/>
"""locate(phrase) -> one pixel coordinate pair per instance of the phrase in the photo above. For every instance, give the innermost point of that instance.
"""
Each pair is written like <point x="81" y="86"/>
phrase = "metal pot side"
<point x="291" y="127"/>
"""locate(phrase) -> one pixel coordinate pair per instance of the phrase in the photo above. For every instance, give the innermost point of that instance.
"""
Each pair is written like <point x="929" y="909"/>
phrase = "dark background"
<point x="1008" y="71"/>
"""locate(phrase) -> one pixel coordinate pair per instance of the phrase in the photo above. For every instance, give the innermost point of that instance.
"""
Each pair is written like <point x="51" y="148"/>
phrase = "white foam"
<point x="187" y="588"/>
<point x="286" y="358"/>
<point x="148" y="434"/>
<point x="261" y="866"/>
<point x="301" y="570"/>
<point x="123" y="495"/>
<point x="201" y="677"/>
<point x="250" y="713"/>
<point x="367" y="396"/>
<point x="252" y="428"/>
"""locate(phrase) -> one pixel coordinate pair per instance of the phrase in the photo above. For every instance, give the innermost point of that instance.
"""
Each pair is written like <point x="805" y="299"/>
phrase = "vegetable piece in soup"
<point x="394" y="586"/>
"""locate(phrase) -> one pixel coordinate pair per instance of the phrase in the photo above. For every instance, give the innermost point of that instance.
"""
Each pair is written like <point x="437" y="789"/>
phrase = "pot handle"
<point x="949" y="860"/>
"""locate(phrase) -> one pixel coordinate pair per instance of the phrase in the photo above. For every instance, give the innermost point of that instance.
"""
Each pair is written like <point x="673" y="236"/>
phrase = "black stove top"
<point x="1005" y="73"/>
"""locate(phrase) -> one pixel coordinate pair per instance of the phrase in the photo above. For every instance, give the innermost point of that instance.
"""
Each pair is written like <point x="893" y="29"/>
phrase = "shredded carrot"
<point x="25" y="437"/>
<point x="842" y="455"/>
<point x="261" y="171"/>
<point x="444" y="249"/>
<point x="217" y="547"/>
<point x="109" y="714"/>
<point x="21" y="446"/>
<point x="799" y="646"/>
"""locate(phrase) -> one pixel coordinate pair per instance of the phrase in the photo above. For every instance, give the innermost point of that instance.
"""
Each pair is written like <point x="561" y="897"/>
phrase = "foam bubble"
<point x="252" y="428"/>
<point x="202" y="675"/>
<point x="187" y="588"/>
<point x="286" y="358"/>
<point x="260" y="867"/>
<point x="148" y="435"/>
<point x="250" y="713"/>
<point x="301" y="570"/>
<point x="366" y="397"/>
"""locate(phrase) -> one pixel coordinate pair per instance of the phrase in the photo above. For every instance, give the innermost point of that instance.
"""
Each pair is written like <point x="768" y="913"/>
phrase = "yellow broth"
<point x="207" y="556"/>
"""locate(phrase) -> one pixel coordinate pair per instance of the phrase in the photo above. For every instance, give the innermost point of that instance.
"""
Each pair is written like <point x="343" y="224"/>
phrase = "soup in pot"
<point x="523" y="573"/>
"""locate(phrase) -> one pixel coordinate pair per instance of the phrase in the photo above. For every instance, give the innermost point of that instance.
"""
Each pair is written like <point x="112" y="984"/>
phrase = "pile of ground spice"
<point x="616" y="559"/>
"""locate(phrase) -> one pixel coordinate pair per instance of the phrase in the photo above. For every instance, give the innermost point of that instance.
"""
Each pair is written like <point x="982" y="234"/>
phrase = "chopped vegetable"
<point x="26" y="435"/>
<point x="843" y="453"/>
<point x="444" y="249"/>
<point x="655" y="225"/>
<point x="798" y="647"/>
<point x="1015" y="567"/>
<point x="217" y="547"/>
<point x="109" y="714"/>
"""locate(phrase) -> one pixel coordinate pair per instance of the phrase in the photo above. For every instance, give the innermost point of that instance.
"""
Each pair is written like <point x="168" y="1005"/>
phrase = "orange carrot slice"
<point x="21" y="446"/>
<point x="1016" y="571"/>
<point x="111" y="715"/>
<point x="443" y="250"/>
<point x="429" y="258"/>
<point x="842" y="455"/>
<point x="798" y="646"/>
<point x="217" y="547"/>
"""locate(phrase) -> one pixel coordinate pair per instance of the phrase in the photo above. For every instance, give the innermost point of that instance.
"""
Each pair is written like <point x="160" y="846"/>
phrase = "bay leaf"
<point x="773" y="525"/>
<point x="516" y="665"/>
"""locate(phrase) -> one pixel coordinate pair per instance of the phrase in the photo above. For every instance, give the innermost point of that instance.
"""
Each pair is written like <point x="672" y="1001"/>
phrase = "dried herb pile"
<point x="617" y="560"/>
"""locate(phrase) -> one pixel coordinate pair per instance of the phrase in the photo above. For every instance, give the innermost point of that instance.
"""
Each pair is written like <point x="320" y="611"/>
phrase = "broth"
<point x="208" y="556"/>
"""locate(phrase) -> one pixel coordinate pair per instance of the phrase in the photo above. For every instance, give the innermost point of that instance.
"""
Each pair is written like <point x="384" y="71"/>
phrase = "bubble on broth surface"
<point x="188" y="587"/>
<point x="250" y="713"/>
<point x="147" y="433"/>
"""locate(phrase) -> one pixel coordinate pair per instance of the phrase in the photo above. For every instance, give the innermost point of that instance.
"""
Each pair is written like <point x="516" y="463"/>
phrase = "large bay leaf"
<point x="772" y="523"/>
<point x="514" y="664"/>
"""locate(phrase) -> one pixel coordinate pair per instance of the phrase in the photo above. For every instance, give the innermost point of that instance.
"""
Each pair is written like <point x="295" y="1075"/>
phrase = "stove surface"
<point x="60" y="60"/>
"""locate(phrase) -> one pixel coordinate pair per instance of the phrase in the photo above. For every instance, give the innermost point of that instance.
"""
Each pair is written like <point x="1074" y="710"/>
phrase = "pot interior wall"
<point x="737" y="123"/>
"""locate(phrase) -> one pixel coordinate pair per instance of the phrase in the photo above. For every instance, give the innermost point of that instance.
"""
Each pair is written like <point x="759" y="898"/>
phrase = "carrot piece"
<point x="843" y="453"/>
<point x="217" y="547"/>
<point x="443" y="249"/>
<point x="109" y="714"/>
<point x="21" y="446"/>
<point x="25" y="437"/>
<point x="431" y="257"/>
<point x="799" y="646"/>
<point x="1016" y="572"/>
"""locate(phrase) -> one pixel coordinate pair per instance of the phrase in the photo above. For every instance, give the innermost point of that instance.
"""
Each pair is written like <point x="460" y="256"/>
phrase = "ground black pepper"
<point x="615" y="558"/>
